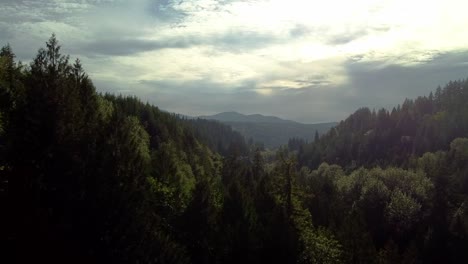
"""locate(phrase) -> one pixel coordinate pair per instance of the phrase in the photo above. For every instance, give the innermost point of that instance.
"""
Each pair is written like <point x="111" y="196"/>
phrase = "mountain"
<point x="272" y="131"/>
<point x="254" y="118"/>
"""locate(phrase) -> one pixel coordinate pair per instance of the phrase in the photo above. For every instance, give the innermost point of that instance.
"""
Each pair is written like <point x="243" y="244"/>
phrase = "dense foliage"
<point x="90" y="178"/>
<point x="368" y="138"/>
<point x="218" y="137"/>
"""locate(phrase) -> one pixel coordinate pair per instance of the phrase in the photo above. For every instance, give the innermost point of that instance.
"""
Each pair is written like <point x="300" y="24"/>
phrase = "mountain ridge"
<point x="272" y="131"/>
<point x="233" y="116"/>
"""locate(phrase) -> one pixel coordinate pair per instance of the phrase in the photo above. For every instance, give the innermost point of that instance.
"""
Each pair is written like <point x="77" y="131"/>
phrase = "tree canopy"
<point x="89" y="178"/>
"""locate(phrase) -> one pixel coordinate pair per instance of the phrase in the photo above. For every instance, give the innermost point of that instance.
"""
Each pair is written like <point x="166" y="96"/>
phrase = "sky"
<point x="305" y="60"/>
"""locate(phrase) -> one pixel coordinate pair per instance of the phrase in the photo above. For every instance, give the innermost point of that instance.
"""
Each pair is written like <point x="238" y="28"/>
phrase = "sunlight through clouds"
<point x="264" y="91"/>
<point x="263" y="46"/>
<point x="394" y="32"/>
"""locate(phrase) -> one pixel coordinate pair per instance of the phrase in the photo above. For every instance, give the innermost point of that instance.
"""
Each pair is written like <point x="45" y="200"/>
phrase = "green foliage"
<point x="112" y="179"/>
<point x="367" y="138"/>
<point x="402" y="210"/>
<point x="431" y="163"/>
<point x="218" y="137"/>
<point x="318" y="245"/>
<point x="171" y="168"/>
<point x="314" y="245"/>
<point x="459" y="221"/>
<point x="105" y="109"/>
<point x="459" y="147"/>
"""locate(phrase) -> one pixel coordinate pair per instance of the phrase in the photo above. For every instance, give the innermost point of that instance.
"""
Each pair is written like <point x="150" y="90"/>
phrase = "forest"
<point x="87" y="177"/>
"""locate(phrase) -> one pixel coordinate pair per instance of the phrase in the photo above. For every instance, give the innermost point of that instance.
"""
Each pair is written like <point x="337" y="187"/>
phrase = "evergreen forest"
<point x="87" y="177"/>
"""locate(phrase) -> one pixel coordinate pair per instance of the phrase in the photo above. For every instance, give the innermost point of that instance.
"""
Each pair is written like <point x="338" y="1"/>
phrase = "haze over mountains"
<point x="272" y="131"/>
<point x="233" y="116"/>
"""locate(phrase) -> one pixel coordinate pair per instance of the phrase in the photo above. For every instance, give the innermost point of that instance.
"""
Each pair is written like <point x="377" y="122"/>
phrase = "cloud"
<point x="230" y="42"/>
<point x="307" y="60"/>
<point x="123" y="47"/>
<point x="374" y="84"/>
<point x="347" y="37"/>
<point x="370" y="84"/>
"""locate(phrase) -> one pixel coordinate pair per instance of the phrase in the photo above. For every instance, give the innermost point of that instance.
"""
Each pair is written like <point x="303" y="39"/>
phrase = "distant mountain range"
<point x="270" y="130"/>
<point x="237" y="117"/>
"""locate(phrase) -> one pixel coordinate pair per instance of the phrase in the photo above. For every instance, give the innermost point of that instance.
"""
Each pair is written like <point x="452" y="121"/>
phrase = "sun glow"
<point x="264" y="91"/>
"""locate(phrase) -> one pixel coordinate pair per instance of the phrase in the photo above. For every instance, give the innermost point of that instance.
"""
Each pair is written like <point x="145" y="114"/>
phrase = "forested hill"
<point x="218" y="137"/>
<point x="270" y="130"/>
<point x="425" y="124"/>
<point x="91" y="178"/>
<point x="237" y="117"/>
<point x="100" y="178"/>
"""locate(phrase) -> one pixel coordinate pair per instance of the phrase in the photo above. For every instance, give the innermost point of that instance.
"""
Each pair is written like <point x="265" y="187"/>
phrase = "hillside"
<point x="270" y="130"/>
<point x="369" y="138"/>
<point x="253" y="118"/>
<point x="93" y="178"/>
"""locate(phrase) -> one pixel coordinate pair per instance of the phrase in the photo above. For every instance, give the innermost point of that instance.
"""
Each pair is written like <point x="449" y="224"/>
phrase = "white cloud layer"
<point x="265" y="47"/>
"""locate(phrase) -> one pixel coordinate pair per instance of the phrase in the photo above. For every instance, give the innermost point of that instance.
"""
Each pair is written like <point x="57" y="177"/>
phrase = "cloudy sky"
<point x="304" y="60"/>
